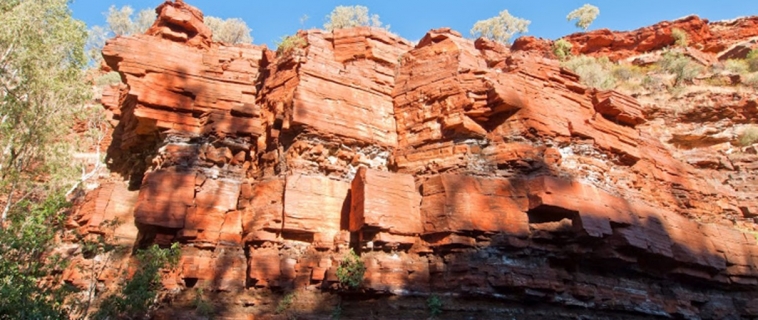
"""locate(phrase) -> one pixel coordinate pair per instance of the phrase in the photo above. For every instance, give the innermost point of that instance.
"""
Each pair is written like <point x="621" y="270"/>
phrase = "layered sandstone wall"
<point x="457" y="168"/>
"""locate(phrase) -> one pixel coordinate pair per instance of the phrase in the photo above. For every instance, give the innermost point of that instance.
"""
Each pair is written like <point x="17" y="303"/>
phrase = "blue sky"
<point x="411" y="19"/>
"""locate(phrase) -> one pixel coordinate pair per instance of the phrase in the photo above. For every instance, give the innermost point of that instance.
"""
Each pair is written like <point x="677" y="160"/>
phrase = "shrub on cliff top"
<point x="351" y="16"/>
<point x="231" y="31"/>
<point x="562" y="49"/>
<point x="120" y="21"/>
<point x="289" y="43"/>
<point x="500" y="28"/>
<point x="584" y="15"/>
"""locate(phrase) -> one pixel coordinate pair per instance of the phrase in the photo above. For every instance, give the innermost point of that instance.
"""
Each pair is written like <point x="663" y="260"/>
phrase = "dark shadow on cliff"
<point x="574" y="262"/>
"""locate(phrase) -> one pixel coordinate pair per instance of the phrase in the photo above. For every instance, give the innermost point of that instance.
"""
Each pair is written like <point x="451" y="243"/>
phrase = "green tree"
<point x="24" y="240"/>
<point x="121" y="23"/>
<point x="351" y="16"/>
<point x="500" y="28"/>
<point x="584" y="15"/>
<point x="137" y="296"/>
<point x="96" y="37"/>
<point x="232" y="30"/>
<point x="41" y="88"/>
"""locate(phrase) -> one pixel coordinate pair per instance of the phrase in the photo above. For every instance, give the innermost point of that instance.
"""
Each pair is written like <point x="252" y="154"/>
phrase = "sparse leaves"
<point x="682" y="67"/>
<point x="351" y="16"/>
<point x="121" y="23"/>
<point x="500" y="28"/>
<point x="231" y="31"/>
<point x="680" y="37"/>
<point x="752" y="60"/>
<point x="584" y="16"/>
<point x="592" y="72"/>
<point x="749" y="136"/>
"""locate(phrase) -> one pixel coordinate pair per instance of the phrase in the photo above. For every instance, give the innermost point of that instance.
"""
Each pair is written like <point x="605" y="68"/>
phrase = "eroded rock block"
<point x="619" y="107"/>
<point x="164" y="198"/>
<point x="315" y="205"/>
<point x="385" y="200"/>
<point x="263" y="207"/>
<point x="457" y="203"/>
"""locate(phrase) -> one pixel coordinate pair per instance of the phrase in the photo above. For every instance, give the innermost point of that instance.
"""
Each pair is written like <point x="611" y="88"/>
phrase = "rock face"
<point x="725" y="39"/>
<point x="454" y="167"/>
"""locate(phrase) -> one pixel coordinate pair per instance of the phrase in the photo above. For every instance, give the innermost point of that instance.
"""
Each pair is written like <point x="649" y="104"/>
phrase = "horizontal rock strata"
<point x="453" y="167"/>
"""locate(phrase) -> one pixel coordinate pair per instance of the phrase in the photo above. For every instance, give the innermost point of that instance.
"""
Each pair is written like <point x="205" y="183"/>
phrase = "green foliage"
<point x="288" y="43"/>
<point x="738" y="66"/>
<point x="121" y="23"/>
<point x="96" y="37"/>
<point x="750" y="80"/>
<point x="109" y="78"/>
<point x="682" y="67"/>
<point x="500" y="28"/>
<point x="351" y="16"/>
<point x="752" y="60"/>
<point x="626" y="72"/>
<point x="337" y="312"/>
<point x="351" y="270"/>
<point x="25" y="238"/>
<point x="41" y="88"/>
<point x="680" y="37"/>
<point x="749" y="136"/>
<point x="584" y="16"/>
<point x="285" y="303"/>
<point x="434" y="304"/>
<point x="138" y="295"/>
<point x="203" y="307"/>
<point x="231" y="31"/>
<point x="592" y="72"/>
<point x="562" y="49"/>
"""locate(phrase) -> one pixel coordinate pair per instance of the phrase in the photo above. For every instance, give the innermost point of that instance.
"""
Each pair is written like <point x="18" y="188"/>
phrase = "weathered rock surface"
<point x="722" y="39"/>
<point x="454" y="167"/>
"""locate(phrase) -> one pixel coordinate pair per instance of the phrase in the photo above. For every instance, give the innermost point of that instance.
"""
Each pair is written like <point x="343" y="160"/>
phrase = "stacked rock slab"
<point x="453" y="167"/>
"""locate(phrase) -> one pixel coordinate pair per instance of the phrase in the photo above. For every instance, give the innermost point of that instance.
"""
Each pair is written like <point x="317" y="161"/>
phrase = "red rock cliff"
<point x="455" y="168"/>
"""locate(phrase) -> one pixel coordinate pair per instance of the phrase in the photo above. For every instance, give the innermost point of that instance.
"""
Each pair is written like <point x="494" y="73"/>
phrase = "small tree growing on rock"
<point x="680" y="37"/>
<point x="351" y="270"/>
<point x="351" y="16"/>
<point x="584" y="15"/>
<point x="232" y="30"/>
<point x="500" y="28"/>
<point x="562" y="49"/>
